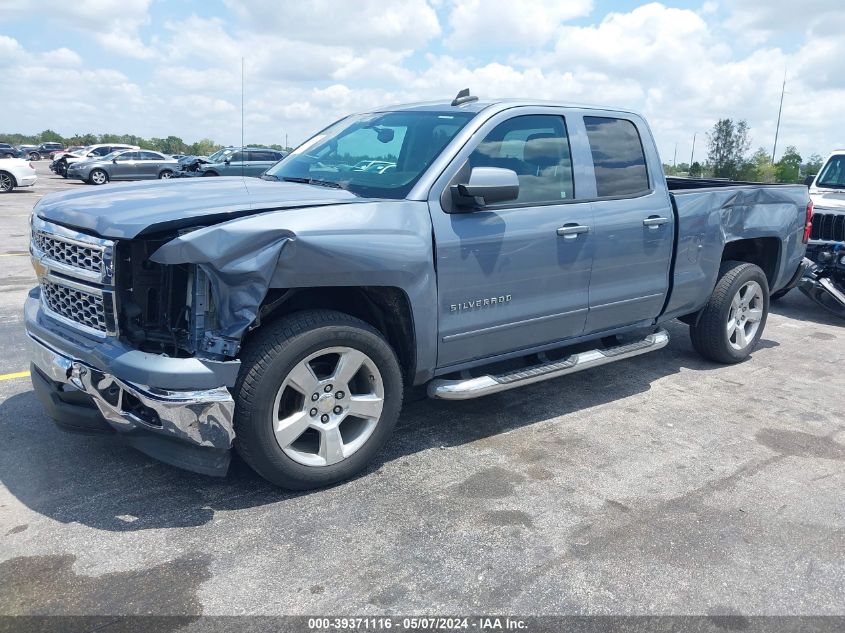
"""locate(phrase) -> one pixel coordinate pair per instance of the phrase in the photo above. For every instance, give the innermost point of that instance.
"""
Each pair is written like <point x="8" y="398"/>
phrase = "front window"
<point x="376" y="155"/>
<point x="833" y="174"/>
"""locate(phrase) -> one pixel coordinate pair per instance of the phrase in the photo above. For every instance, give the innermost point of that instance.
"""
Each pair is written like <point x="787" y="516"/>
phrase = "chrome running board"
<point x="467" y="388"/>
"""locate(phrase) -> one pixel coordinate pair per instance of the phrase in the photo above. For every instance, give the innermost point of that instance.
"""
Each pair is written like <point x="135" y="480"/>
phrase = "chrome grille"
<point x="76" y="275"/>
<point x="828" y="227"/>
<point x="72" y="302"/>
<point x="68" y="252"/>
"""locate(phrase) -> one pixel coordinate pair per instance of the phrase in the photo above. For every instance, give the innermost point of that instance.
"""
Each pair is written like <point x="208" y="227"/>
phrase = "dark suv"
<point x="9" y="151"/>
<point x="44" y="150"/>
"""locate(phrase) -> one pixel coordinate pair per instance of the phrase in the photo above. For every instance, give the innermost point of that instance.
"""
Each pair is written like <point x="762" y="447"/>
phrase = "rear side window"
<point x="618" y="157"/>
<point x="536" y="147"/>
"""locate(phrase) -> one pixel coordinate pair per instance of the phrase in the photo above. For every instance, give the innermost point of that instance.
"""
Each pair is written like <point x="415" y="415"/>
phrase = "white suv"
<point x="16" y="172"/>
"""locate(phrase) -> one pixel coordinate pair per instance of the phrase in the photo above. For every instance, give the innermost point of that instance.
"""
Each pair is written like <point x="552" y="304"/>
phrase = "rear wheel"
<point x="98" y="177"/>
<point x="210" y="173"/>
<point x="35" y="156"/>
<point x="318" y="395"/>
<point x="733" y="320"/>
<point x="7" y="182"/>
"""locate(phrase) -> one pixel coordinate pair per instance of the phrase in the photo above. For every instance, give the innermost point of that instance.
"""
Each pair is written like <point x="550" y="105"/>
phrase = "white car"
<point x="827" y="191"/>
<point x="16" y="172"/>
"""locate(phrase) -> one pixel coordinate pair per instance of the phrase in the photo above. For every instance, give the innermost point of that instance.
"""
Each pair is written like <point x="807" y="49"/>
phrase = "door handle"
<point x="571" y="231"/>
<point x="653" y="221"/>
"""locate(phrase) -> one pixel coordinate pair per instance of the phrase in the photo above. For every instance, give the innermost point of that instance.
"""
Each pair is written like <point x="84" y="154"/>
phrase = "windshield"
<point x="377" y="155"/>
<point x="833" y="174"/>
<point x="217" y="156"/>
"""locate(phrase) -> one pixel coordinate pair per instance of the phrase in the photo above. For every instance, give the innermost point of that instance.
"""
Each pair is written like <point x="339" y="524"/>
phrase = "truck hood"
<point x="829" y="199"/>
<point x="135" y="209"/>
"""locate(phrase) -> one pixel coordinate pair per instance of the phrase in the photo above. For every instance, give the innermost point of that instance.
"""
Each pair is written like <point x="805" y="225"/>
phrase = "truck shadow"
<point x="99" y="482"/>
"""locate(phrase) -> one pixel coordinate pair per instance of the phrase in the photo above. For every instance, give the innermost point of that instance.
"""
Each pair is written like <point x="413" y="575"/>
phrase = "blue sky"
<point x="159" y="67"/>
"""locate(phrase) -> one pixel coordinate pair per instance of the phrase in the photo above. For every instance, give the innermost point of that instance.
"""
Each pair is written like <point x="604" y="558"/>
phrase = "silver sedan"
<point x="124" y="165"/>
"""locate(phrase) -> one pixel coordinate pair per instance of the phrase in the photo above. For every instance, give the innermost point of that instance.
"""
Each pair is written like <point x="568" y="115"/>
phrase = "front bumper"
<point x="187" y="427"/>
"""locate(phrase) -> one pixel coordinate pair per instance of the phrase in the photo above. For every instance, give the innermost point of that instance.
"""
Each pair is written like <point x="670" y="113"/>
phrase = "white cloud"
<point x="115" y="24"/>
<point x="682" y="68"/>
<point x="485" y="24"/>
<point x="405" y="24"/>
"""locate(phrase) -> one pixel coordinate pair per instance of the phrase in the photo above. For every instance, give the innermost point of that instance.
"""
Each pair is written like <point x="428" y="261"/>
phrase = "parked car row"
<point x="30" y="152"/>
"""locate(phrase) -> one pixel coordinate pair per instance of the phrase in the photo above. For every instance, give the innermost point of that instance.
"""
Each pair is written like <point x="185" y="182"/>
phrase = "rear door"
<point x="149" y="164"/>
<point x="634" y="224"/>
<point x="514" y="275"/>
<point x="259" y="162"/>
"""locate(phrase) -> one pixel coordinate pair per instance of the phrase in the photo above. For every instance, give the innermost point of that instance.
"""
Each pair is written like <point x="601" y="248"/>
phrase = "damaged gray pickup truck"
<point x="494" y="244"/>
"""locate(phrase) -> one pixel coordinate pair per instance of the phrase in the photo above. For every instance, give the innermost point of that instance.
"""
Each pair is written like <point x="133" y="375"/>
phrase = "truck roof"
<point x="499" y="104"/>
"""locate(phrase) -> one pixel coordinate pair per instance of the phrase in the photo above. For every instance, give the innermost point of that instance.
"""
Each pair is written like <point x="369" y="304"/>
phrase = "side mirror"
<point x="227" y="161"/>
<point x="114" y="160"/>
<point x="486" y="185"/>
<point x="91" y="154"/>
<point x="808" y="181"/>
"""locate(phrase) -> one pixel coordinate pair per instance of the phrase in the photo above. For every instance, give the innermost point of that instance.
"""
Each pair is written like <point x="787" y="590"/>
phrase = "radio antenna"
<point x="242" y="117"/>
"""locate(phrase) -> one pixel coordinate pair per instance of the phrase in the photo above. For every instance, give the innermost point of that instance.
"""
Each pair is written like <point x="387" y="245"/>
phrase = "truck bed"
<point x="711" y="214"/>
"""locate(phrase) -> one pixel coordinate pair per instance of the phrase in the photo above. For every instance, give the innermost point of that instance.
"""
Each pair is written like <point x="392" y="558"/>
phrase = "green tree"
<point x="788" y="169"/>
<point x="49" y="136"/>
<point x="695" y="170"/>
<point x="814" y="164"/>
<point x="727" y="145"/>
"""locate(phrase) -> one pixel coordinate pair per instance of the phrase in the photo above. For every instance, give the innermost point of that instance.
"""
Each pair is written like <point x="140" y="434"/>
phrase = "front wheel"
<point x="318" y="396"/>
<point x="210" y="173"/>
<point x="98" y="177"/>
<point x="166" y="175"/>
<point x="733" y="320"/>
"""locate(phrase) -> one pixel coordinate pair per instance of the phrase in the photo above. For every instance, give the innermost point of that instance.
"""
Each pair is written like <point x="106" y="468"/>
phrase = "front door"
<point x="513" y="275"/>
<point x="126" y="166"/>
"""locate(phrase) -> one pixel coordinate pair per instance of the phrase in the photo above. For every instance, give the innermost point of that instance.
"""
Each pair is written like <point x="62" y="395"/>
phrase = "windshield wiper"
<point x="269" y="177"/>
<point x="314" y="181"/>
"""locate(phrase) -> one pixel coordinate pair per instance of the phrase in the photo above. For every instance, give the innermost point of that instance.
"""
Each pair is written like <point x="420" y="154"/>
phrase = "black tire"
<point x="710" y="336"/>
<point x="267" y="360"/>
<point x="61" y="169"/>
<point x="780" y="294"/>
<point x="7" y="182"/>
<point x="94" y="175"/>
<point x="8" y="155"/>
<point x="166" y="174"/>
<point x="35" y="156"/>
<point x="210" y="173"/>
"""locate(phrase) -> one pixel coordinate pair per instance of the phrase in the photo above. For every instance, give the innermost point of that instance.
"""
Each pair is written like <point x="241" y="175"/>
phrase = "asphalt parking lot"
<point x="663" y="484"/>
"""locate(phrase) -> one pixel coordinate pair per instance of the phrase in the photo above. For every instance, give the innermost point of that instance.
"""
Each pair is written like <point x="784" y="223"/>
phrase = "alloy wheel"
<point x="328" y="406"/>
<point x="745" y="315"/>
<point x="5" y="183"/>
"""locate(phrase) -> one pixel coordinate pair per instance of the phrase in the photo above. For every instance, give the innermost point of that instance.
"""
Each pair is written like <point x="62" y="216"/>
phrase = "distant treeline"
<point x="169" y="145"/>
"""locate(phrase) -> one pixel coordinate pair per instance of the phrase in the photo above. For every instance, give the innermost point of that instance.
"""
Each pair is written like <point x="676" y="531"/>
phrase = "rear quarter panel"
<point x="708" y="219"/>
